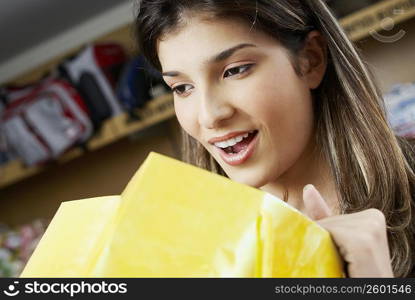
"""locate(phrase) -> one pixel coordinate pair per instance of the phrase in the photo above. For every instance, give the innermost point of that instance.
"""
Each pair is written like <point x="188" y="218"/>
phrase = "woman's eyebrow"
<point x="217" y="58"/>
<point x="227" y="53"/>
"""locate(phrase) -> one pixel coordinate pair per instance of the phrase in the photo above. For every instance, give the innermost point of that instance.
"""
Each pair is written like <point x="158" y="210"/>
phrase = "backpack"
<point x="92" y="73"/>
<point x="42" y="121"/>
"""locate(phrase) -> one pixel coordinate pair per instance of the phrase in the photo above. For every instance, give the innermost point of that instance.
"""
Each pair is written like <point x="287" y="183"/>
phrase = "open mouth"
<point x="240" y="152"/>
<point x="242" y="145"/>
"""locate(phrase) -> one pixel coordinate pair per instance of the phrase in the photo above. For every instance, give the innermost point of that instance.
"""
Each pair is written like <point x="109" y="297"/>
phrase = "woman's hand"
<point x="360" y="237"/>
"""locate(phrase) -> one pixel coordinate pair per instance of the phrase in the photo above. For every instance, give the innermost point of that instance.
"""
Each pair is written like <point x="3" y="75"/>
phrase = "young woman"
<point x="272" y="94"/>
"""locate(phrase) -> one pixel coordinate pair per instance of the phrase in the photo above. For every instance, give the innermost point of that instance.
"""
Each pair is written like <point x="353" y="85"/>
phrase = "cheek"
<point x="283" y="108"/>
<point x="187" y="118"/>
<point x="290" y="118"/>
<point x="280" y="99"/>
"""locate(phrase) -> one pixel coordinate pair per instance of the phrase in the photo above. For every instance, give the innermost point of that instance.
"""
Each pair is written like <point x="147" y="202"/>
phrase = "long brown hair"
<point x="372" y="167"/>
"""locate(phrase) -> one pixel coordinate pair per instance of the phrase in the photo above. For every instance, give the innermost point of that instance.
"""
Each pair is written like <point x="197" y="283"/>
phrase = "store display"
<point x="138" y="83"/>
<point x="6" y="153"/>
<point x="17" y="245"/>
<point x="176" y="220"/>
<point x="34" y="132"/>
<point x="42" y="121"/>
<point x="111" y="58"/>
<point x="28" y="147"/>
<point x="400" y="105"/>
<point x="89" y="73"/>
<point x="74" y="103"/>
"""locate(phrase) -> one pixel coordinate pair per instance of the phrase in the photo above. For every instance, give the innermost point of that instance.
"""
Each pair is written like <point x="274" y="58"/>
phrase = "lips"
<point x="227" y="136"/>
<point x="244" y="153"/>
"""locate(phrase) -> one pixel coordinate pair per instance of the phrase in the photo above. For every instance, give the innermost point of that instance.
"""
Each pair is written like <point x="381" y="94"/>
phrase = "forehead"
<point x="200" y="38"/>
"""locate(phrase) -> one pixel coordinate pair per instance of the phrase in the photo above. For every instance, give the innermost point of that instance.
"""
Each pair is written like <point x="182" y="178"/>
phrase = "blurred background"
<point x="80" y="109"/>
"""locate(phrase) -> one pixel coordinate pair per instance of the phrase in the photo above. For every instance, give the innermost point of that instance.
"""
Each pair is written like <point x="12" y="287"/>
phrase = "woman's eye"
<point x="237" y="70"/>
<point x="183" y="88"/>
<point x="180" y="89"/>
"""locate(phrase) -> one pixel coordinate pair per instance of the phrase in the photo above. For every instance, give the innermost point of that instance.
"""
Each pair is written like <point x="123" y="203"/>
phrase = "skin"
<point x="257" y="88"/>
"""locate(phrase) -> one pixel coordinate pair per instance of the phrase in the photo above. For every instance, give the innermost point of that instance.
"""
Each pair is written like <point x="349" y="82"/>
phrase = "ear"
<point x="313" y="59"/>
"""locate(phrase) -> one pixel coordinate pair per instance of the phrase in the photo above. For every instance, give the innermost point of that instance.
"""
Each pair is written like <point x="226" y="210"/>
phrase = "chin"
<point x="252" y="181"/>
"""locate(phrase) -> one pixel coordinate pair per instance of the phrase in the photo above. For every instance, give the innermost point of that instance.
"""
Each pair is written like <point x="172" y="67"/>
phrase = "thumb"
<point x="315" y="206"/>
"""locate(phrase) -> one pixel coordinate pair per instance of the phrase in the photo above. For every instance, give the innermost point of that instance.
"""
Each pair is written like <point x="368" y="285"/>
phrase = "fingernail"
<point x="308" y="187"/>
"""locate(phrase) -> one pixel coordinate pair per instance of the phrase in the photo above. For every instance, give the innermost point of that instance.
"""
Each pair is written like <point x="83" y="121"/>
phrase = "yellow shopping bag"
<point x="176" y="220"/>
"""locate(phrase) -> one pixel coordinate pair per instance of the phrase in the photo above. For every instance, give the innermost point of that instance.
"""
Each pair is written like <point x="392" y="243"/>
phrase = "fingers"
<point x="315" y="206"/>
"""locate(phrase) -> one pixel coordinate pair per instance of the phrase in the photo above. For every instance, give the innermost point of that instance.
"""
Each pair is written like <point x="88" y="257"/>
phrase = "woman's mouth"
<point x="241" y="151"/>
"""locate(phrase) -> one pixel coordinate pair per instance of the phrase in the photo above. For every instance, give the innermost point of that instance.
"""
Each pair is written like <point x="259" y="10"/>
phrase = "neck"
<point x="311" y="168"/>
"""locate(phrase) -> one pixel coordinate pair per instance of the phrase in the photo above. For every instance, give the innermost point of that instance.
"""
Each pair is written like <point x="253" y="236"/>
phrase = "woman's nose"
<point x="214" y="110"/>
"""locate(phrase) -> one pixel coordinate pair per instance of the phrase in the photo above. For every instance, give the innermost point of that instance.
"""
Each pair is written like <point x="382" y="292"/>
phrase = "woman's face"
<point x="236" y="91"/>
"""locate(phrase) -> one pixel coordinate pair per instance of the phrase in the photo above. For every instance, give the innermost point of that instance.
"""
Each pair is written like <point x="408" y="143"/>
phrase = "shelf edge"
<point x="370" y="18"/>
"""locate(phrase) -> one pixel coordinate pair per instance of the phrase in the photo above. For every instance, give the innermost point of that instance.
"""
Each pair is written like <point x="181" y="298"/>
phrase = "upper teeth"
<point x="233" y="141"/>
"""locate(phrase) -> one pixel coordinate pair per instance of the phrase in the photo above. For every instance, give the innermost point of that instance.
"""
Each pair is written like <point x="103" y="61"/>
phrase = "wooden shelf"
<point x="157" y="110"/>
<point x="370" y="20"/>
